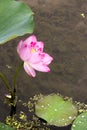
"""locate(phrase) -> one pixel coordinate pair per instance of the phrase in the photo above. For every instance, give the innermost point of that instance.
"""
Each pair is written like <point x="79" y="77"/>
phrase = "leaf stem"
<point x="5" y="82"/>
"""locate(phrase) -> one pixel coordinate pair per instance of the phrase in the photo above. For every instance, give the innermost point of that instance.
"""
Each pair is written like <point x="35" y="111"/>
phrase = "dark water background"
<point x="60" y="25"/>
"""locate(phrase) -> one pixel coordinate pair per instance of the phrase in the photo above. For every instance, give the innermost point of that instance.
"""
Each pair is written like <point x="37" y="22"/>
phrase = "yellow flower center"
<point x="33" y="50"/>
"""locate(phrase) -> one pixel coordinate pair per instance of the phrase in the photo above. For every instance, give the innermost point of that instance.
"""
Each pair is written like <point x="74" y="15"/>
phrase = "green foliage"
<point x="65" y="107"/>
<point x="16" y="19"/>
<point x="5" y="127"/>
<point x="55" y="110"/>
<point x="22" y="121"/>
<point x="80" y="123"/>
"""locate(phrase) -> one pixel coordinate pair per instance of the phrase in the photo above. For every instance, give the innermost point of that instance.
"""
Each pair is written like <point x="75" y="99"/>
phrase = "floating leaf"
<point x="5" y="127"/>
<point x="80" y="122"/>
<point x="16" y="19"/>
<point x="55" y="110"/>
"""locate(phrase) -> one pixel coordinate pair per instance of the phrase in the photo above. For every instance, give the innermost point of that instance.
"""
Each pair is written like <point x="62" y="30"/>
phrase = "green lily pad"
<point x="80" y="122"/>
<point x="16" y="19"/>
<point x="5" y="127"/>
<point x="55" y="110"/>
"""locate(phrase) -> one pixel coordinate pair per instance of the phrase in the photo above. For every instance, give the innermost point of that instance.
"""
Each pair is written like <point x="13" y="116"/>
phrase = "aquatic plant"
<point x="16" y="19"/>
<point x="51" y="109"/>
<point x="17" y="22"/>
<point x="5" y="127"/>
<point x="55" y="110"/>
<point x="60" y="111"/>
<point x="31" y="52"/>
<point x="80" y="122"/>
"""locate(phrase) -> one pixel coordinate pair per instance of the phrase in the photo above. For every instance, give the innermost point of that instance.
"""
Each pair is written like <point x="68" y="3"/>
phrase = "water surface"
<point x="60" y="25"/>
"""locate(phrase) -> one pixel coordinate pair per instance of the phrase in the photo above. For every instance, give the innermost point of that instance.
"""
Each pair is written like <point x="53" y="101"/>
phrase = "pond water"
<point x="63" y="28"/>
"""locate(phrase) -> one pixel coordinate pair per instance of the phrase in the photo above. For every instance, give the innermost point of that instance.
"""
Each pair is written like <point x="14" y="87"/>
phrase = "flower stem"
<point x="16" y="75"/>
<point x="14" y="97"/>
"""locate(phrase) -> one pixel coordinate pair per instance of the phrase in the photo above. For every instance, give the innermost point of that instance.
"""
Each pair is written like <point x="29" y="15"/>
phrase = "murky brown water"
<point x="60" y="25"/>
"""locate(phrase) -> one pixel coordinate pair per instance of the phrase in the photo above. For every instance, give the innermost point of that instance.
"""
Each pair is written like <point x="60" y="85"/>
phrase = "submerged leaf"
<point x="5" y="127"/>
<point x="80" y="122"/>
<point x="55" y="110"/>
<point x="16" y="19"/>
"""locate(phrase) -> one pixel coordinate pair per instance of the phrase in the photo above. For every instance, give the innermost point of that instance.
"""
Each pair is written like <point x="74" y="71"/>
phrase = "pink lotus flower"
<point x="31" y="52"/>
